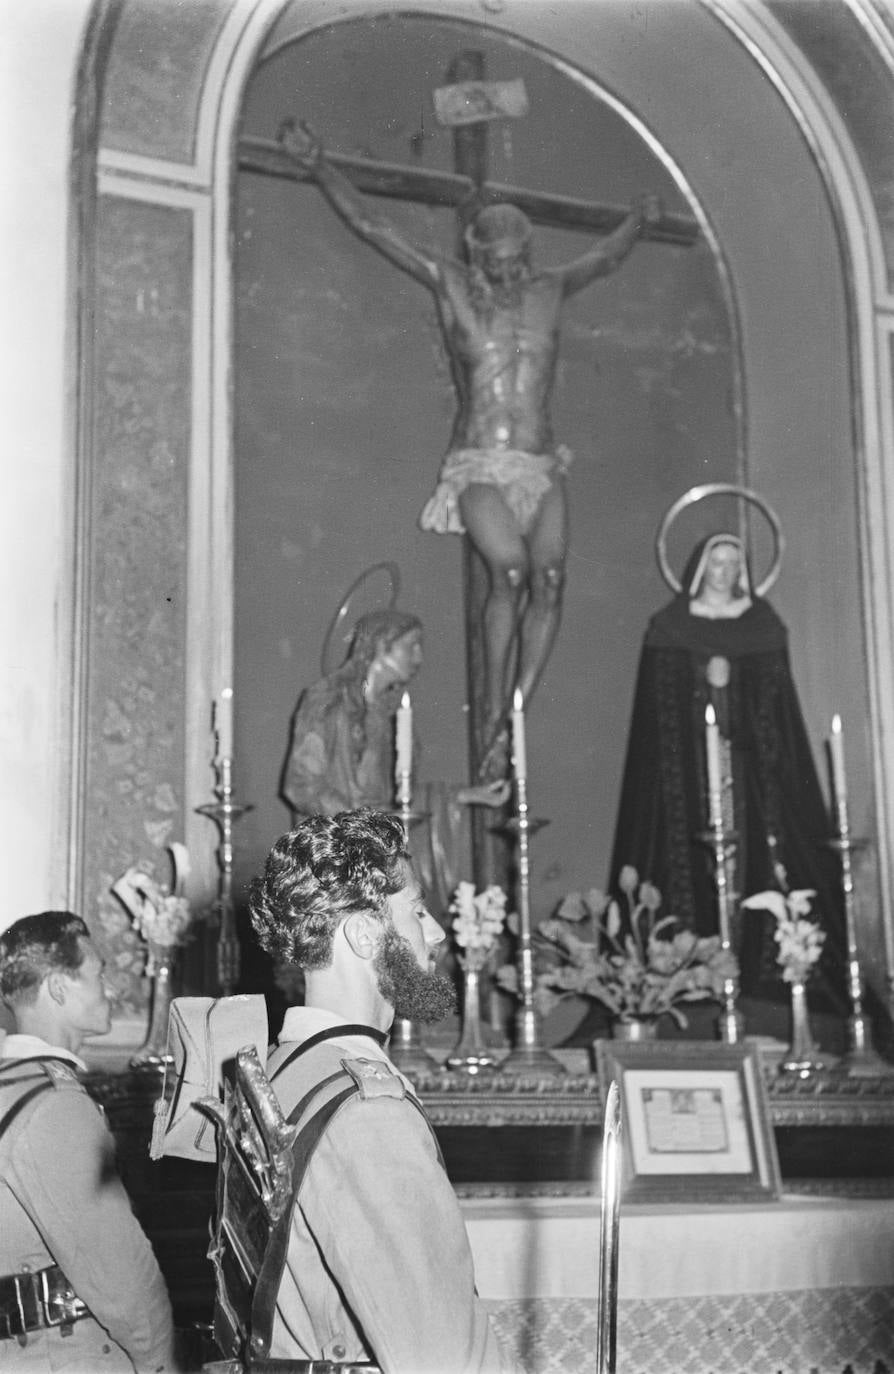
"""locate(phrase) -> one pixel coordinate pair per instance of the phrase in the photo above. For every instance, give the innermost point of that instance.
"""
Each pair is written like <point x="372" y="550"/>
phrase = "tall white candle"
<point x="836" y="749"/>
<point x="519" y="754"/>
<point x="225" y="723"/>
<point x="403" y="759"/>
<point x="715" y="786"/>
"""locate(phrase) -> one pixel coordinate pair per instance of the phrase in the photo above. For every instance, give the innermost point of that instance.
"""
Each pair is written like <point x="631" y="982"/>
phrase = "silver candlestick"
<point x="225" y="812"/>
<point x="861" y="1059"/>
<point x="723" y="845"/>
<point x="528" y="1055"/>
<point x="406" y="1048"/>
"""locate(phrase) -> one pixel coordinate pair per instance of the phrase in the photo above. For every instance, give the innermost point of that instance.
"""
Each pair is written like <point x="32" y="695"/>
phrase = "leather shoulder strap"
<point x="341" y="1088"/>
<point x="358" y="1078"/>
<point x="23" y="1080"/>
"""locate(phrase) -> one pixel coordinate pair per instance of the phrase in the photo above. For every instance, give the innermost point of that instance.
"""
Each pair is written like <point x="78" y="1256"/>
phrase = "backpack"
<point x="204" y="1034"/>
<point x="263" y="1157"/>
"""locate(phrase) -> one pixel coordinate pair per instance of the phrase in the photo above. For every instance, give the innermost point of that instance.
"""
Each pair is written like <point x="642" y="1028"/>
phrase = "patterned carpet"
<point x="835" y="1331"/>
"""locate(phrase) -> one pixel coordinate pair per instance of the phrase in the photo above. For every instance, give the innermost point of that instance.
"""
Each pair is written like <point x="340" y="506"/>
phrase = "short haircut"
<point x="320" y="872"/>
<point x="35" y="946"/>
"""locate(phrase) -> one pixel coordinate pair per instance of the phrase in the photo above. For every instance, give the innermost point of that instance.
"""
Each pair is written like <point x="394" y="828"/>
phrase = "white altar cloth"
<point x="548" y="1247"/>
<point x="805" y="1284"/>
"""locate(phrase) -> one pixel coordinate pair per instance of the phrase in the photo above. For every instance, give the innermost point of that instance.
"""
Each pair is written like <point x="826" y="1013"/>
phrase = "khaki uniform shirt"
<point x="62" y="1202"/>
<point x="379" y="1265"/>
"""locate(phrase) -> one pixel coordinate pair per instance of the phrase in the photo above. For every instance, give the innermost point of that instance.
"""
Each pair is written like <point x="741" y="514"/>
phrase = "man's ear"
<point x="362" y="933"/>
<point x="56" y="987"/>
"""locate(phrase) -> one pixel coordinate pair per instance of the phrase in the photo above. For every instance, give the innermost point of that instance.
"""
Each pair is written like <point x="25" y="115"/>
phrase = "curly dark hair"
<point x="37" y="945"/>
<point x="324" y="869"/>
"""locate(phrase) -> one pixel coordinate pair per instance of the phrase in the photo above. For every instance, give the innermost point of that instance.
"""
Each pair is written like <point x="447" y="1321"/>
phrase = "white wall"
<point x="39" y="43"/>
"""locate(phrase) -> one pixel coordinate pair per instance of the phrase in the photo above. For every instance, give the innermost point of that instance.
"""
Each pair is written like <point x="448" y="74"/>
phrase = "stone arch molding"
<point x="196" y="189"/>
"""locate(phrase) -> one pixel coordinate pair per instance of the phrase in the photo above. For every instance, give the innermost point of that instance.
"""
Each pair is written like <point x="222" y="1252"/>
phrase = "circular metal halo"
<point x="695" y="494"/>
<point x="328" y="662"/>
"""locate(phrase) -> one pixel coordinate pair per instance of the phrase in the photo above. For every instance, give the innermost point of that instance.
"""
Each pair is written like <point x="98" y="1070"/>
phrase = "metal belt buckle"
<point x="24" y="1324"/>
<point x="59" y="1309"/>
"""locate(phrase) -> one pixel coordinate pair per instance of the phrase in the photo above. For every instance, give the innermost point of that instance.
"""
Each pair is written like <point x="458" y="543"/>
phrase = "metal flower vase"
<point x="802" y="1057"/>
<point x="636" y="1030"/>
<point x="470" y="1054"/>
<point x="160" y="966"/>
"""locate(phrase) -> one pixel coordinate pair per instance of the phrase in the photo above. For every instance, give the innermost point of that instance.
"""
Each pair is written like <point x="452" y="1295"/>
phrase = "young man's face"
<point x="87" y="1004"/>
<point x="405" y="960"/>
<point x="412" y="919"/>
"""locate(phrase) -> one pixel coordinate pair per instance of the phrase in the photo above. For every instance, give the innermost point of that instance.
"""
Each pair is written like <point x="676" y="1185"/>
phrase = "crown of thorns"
<point x="499" y="224"/>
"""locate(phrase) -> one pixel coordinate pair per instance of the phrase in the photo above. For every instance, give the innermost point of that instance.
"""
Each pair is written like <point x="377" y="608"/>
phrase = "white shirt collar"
<point x="14" y="1045"/>
<point x="300" y="1023"/>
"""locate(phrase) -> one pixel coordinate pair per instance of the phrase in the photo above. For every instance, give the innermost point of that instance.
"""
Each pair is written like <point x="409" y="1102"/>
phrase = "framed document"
<point x="694" y="1121"/>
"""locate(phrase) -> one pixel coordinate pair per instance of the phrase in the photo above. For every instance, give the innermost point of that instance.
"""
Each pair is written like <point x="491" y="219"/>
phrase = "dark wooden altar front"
<point x="506" y="1137"/>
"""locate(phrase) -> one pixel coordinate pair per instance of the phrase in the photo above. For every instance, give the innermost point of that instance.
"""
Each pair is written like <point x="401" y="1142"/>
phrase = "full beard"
<point x="487" y="296"/>
<point x="414" y="993"/>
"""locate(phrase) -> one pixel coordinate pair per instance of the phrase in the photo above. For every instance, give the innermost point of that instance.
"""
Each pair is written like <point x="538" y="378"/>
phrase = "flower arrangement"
<point x="800" y="941"/>
<point x="161" y="915"/>
<point x="478" y="918"/>
<point x="633" y="964"/>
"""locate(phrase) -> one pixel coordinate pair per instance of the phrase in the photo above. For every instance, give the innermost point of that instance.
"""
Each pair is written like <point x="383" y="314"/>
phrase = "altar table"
<point x="793" y="1287"/>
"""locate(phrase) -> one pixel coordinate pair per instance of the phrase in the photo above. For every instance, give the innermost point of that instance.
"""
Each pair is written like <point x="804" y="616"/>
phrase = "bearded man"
<point x="378" y="1265"/>
<point x="502" y="481"/>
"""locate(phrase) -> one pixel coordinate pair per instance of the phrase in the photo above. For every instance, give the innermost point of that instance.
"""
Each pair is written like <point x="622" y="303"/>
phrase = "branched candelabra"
<point x="225" y="812"/>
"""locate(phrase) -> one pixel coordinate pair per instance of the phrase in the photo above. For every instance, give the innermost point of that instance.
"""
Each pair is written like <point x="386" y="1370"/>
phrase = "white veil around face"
<point x="742" y="587"/>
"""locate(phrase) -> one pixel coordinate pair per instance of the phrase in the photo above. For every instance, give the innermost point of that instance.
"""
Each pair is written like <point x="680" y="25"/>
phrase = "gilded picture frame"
<point x="695" y="1124"/>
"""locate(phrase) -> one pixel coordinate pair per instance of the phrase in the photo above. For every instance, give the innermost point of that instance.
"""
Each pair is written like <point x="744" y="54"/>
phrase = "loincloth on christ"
<point x="523" y="480"/>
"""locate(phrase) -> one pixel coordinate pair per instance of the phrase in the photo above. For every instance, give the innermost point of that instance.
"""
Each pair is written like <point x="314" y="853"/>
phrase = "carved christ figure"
<point x="503" y="479"/>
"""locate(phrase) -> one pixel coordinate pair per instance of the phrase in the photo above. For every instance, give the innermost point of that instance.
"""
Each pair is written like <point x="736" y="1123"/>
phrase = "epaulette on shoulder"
<point x="374" y="1078"/>
<point x="62" y="1075"/>
<point x="26" y="1081"/>
<point x="57" y="1073"/>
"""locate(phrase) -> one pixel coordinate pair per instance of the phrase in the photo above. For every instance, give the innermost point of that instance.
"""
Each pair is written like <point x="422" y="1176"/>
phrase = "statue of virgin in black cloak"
<point x="719" y="643"/>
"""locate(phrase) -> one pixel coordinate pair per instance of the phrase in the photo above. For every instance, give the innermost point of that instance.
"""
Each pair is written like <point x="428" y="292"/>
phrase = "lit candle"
<point x="519" y="756"/>
<point x="403" y="763"/>
<point x="836" y="749"/>
<point x="225" y="723"/>
<point x="715" y="789"/>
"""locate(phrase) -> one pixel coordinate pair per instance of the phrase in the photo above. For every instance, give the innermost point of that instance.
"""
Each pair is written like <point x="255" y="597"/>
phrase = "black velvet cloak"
<point x="664" y="808"/>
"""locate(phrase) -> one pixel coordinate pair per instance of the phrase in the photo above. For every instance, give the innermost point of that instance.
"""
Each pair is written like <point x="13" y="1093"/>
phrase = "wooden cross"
<point x="468" y="187"/>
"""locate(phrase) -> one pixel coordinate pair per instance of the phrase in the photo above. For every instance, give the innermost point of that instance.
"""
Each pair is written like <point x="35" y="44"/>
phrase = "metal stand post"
<point x="609" y="1228"/>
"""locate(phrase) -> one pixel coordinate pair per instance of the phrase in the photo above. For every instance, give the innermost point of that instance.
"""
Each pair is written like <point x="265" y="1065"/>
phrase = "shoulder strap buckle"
<point x="374" y="1078"/>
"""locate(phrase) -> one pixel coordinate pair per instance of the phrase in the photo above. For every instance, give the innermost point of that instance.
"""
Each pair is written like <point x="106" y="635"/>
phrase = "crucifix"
<point x="502" y="482"/>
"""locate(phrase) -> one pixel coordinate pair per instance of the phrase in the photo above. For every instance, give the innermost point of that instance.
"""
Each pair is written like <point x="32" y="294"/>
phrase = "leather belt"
<point x="32" y="1300"/>
<point x="286" y="1366"/>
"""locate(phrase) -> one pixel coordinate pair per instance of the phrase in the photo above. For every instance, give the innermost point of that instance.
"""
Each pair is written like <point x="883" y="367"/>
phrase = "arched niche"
<point x="756" y="146"/>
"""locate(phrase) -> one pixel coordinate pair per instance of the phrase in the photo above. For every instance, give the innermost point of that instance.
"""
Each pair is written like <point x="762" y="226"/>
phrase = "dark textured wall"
<point x="133" y="801"/>
<point x="854" y="72"/>
<point x="159" y="63"/>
